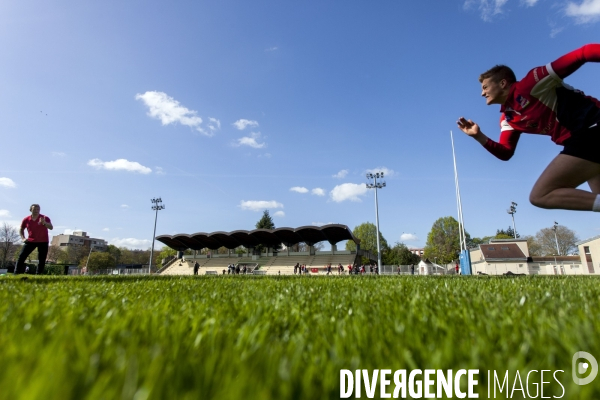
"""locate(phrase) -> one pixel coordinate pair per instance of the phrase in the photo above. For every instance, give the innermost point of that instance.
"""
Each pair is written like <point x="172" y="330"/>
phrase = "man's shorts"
<point x="584" y="144"/>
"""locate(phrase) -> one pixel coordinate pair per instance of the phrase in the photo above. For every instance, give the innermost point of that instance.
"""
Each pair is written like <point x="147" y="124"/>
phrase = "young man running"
<point x="541" y="103"/>
<point x="37" y="226"/>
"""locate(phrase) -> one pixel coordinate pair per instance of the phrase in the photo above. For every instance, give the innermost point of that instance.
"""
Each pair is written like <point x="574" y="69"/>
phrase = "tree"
<point x="73" y="254"/>
<point x="265" y="222"/>
<point x="443" y="241"/>
<point x="367" y="233"/>
<point x="506" y="234"/>
<point x="475" y="242"/>
<point x="55" y="253"/>
<point x="98" y="261"/>
<point x="547" y="241"/>
<point x="400" y="255"/>
<point x="166" y="252"/>
<point x="114" y="251"/>
<point x="9" y="237"/>
<point x="534" y="247"/>
<point x="303" y="247"/>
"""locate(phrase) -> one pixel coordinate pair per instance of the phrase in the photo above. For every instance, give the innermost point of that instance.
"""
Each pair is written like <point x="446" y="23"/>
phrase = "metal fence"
<point x="433" y="269"/>
<point x="116" y="271"/>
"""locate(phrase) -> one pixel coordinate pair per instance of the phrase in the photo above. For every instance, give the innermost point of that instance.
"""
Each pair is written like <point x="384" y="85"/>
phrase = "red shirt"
<point x="541" y="103"/>
<point x="37" y="233"/>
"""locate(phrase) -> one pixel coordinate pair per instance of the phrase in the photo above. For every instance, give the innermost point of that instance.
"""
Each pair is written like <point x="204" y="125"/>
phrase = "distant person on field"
<point x="541" y="103"/>
<point x="37" y="226"/>
<point x="196" y="267"/>
<point x="412" y="269"/>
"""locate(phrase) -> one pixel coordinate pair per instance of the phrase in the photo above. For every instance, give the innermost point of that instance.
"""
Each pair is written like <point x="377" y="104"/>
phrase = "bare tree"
<point x="55" y="253"/>
<point x="534" y="247"/>
<point x="9" y="238"/>
<point x="565" y="237"/>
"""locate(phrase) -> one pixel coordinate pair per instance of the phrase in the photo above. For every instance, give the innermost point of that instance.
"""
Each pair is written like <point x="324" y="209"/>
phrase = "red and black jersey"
<point x="541" y="103"/>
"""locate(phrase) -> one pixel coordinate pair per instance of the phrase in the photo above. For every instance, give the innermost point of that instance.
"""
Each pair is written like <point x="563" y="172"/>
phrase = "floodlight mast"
<point x="512" y="210"/>
<point x="556" y="237"/>
<point x="376" y="186"/>
<point x="158" y="205"/>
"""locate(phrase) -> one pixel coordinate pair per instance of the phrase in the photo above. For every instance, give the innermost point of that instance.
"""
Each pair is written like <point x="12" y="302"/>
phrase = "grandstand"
<point x="270" y="262"/>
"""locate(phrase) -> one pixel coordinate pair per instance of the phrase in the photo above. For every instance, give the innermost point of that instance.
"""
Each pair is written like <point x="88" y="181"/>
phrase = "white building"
<point x="79" y="238"/>
<point x="502" y="256"/>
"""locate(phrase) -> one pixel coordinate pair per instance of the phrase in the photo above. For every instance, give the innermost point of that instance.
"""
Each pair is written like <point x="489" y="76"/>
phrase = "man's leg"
<point x="42" y="254"/>
<point x="556" y="187"/>
<point x="26" y="250"/>
<point x="595" y="184"/>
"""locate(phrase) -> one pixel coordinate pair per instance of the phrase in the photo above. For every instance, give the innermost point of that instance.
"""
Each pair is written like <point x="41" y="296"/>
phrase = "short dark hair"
<point x="33" y="205"/>
<point x="498" y="73"/>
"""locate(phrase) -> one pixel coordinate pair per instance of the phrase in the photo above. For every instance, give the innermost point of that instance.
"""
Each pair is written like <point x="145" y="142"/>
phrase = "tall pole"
<point x="88" y="258"/>
<point x="556" y="237"/>
<point x="376" y="186"/>
<point x="158" y="205"/>
<point x="512" y="210"/>
<point x="461" y="227"/>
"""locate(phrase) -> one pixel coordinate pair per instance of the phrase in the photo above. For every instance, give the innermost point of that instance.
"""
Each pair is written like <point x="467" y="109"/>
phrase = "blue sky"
<point x="223" y="108"/>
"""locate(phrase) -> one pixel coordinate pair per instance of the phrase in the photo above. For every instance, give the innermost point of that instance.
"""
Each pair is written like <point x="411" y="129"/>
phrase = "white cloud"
<point x="242" y="124"/>
<point x="7" y="182"/>
<point x="488" y="8"/>
<point x="4" y="214"/>
<point x="348" y="191"/>
<point x="214" y="124"/>
<point x="257" y="205"/>
<point x="106" y="229"/>
<point x="124" y="206"/>
<point x="386" y="171"/>
<point x="120" y="164"/>
<point x="68" y="231"/>
<point x="58" y="154"/>
<point x="251" y="141"/>
<point x="279" y="214"/>
<point x="131" y="243"/>
<point x="299" y="189"/>
<point x="587" y="11"/>
<point x="342" y="174"/>
<point x="274" y="48"/>
<point x="169" y="111"/>
<point x="408" y="237"/>
<point x="318" y="192"/>
<point x="159" y="170"/>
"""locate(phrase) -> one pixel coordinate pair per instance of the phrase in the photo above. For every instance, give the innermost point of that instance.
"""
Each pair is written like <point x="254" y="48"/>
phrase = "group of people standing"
<point x="233" y="269"/>
<point x="300" y="269"/>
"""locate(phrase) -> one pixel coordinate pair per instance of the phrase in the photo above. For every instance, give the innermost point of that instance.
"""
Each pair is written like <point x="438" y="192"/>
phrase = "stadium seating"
<point x="274" y="265"/>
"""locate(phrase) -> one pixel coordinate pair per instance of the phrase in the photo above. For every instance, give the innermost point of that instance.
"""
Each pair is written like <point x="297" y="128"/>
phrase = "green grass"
<point x="281" y="337"/>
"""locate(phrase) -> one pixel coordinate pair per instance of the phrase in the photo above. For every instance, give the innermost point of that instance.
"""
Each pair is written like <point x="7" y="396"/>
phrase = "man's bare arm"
<point x="472" y="129"/>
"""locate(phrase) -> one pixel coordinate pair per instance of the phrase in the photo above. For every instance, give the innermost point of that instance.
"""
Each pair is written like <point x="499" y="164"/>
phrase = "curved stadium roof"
<point x="310" y="235"/>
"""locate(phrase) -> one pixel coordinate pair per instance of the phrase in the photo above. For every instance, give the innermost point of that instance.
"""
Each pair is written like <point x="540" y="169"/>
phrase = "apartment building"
<point x="79" y="238"/>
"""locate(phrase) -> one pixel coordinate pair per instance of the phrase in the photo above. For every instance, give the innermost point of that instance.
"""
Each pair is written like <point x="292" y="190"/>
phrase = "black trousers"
<point x="27" y="249"/>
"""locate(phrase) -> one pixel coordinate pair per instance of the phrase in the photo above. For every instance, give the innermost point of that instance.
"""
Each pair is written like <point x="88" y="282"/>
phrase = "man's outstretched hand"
<point x="469" y="127"/>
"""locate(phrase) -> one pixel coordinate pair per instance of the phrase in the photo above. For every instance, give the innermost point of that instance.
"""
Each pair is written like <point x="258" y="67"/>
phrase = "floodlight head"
<point x="382" y="174"/>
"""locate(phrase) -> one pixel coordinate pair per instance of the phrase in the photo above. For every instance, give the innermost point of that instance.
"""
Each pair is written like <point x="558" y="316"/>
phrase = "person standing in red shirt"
<point x="37" y="226"/>
<point x="541" y="103"/>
